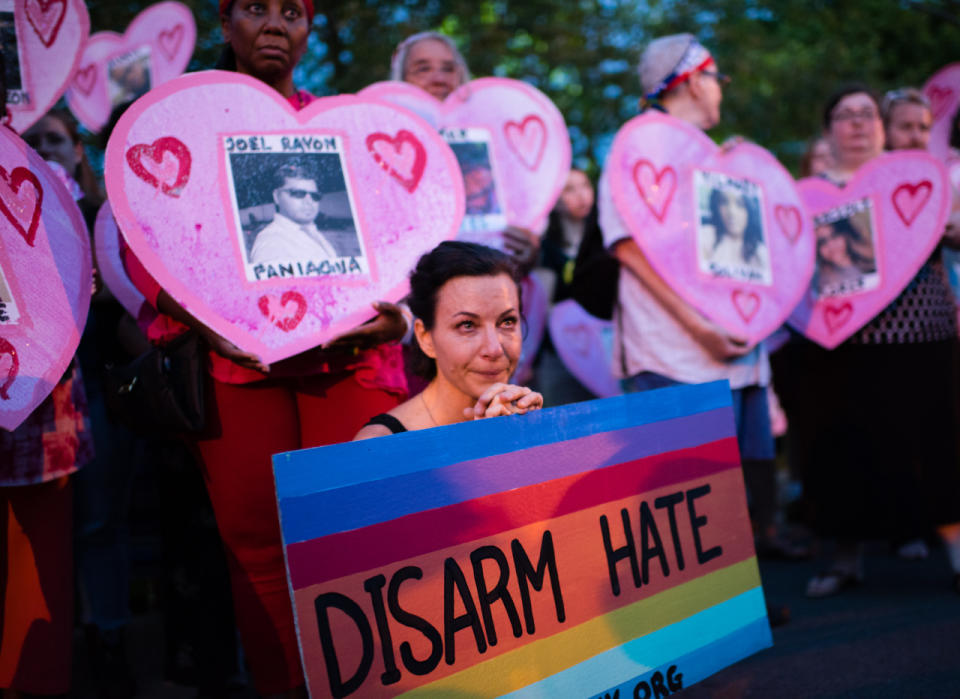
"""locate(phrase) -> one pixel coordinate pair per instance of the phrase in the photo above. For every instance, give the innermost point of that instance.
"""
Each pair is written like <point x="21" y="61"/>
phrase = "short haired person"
<point x="660" y="339"/>
<point x="293" y="233"/>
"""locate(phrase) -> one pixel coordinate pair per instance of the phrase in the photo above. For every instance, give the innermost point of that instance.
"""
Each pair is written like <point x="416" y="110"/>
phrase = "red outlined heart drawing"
<point x="46" y="17"/>
<point x="169" y="40"/>
<point x="939" y="97"/>
<point x="656" y="188"/>
<point x="86" y="78"/>
<point x="166" y="165"/>
<point x="837" y="316"/>
<point x="278" y="313"/>
<point x="790" y="221"/>
<point x="8" y="349"/>
<point x="21" y="205"/>
<point x="403" y="156"/>
<point x="527" y="139"/>
<point x="747" y="303"/>
<point x="909" y="199"/>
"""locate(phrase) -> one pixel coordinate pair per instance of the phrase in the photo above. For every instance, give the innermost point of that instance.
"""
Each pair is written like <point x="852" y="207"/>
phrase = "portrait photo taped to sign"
<point x="13" y="76"/>
<point x="9" y="313"/>
<point x="294" y="212"/>
<point x="846" y="250"/>
<point x="731" y="239"/>
<point x="484" y="200"/>
<point x="129" y="75"/>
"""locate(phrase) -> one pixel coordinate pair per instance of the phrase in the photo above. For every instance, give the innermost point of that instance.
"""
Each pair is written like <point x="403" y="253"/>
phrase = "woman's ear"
<point x="424" y="338"/>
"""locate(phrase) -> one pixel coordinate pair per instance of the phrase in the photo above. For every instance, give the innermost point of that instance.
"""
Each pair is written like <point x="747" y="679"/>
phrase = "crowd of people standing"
<point x="871" y="423"/>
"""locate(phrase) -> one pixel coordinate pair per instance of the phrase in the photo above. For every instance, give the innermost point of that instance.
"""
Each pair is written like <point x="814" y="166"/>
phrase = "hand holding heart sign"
<point x="45" y="279"/>
<point x="278" y="229"/>
<point x="42" y="56"/>
<point x="724" y="228"/>
<point x="115" y="69"/>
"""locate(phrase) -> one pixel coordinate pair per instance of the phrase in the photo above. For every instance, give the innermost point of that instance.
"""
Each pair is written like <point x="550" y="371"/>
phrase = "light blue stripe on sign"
<point x="625" y="664"/>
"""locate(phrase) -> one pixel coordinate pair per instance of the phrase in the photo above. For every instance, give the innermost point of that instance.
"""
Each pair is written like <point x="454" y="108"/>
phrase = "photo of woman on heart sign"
<point x="846" y="261"/>
<point x="128" y="76"/>
<point x="730" y="230"/>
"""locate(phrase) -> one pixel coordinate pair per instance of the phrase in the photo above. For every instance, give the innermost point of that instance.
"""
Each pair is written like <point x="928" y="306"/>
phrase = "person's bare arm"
<point x="721" y="345"/>
<point x="167" y="305"/>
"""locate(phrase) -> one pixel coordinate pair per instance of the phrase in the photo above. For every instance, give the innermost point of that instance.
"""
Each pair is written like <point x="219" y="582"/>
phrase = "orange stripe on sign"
<point x="416" y="621"/>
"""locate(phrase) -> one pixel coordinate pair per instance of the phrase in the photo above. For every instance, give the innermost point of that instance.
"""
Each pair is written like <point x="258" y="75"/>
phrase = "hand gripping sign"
<point x="116" y="69"/>
<point x="725" y="228"/>
<point x="512" y="145"/>
<point x="42" y="42"/>
<point x="872" y="238"/>
<point x="599" y="548"/>
<point x="45" y="279"/>
<point x="943" y="91"/>
<point x="278" y="228"/>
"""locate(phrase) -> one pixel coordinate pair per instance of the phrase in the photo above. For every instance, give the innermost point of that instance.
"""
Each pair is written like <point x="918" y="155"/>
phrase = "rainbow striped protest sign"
<point x="602" y="548"/>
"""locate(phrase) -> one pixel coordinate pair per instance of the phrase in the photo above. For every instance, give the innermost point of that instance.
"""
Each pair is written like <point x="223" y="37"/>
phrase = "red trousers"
<point x="36" y="587"/>
<point x="259" y="420"/>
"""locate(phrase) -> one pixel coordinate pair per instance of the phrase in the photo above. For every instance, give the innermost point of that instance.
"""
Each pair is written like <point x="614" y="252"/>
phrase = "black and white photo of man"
<point x="293" y="233"/>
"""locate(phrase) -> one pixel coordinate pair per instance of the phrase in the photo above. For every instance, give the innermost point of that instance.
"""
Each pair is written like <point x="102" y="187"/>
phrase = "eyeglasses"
<point x="301" y="193"/>
<point x="721" y="78"/>
<point x="849" y="115"/>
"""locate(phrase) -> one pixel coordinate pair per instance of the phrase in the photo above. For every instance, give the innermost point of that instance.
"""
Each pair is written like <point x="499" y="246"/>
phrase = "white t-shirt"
<point x="283" y="240"/>
<point x="648" y="338"/>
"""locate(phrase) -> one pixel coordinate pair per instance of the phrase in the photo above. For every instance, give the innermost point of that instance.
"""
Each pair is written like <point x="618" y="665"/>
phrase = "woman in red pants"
<point x="320" y="397"/>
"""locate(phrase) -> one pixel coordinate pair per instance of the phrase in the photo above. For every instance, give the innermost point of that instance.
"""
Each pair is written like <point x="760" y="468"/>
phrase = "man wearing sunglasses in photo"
<point x="293" y="234"/>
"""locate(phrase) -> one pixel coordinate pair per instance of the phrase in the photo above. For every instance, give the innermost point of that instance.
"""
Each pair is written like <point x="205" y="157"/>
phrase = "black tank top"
<point x="388" y="421"/>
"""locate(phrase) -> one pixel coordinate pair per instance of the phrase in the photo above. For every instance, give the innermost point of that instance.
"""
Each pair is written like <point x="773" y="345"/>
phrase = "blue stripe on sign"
<point x="354" y="507"/>
<point x="699" y="646"/>
<point x="339" y="465"/>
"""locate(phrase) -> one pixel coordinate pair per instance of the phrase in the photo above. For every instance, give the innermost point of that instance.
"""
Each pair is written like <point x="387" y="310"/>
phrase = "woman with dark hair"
<point x="320" y="397"/>
<point x="737" y="231"/>
<point x="874" y="425"/>
<point x="843" y="255"/>
<point x="466" y="300"/>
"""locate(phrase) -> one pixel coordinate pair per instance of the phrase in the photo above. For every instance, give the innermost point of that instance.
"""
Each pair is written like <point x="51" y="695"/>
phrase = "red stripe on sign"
<point x="345" y="553"/>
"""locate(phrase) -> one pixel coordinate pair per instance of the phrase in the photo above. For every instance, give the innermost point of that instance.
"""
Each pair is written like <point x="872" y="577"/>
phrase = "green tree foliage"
<point x="785" y="56"/>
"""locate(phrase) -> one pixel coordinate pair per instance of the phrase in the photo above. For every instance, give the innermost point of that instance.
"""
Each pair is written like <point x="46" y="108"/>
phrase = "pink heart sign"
<point x="45" y="279"/>
<point x="278" y="228"/>
<point x="512" y="145"/>
<point x="872" y="238"/>
<point x="106" y="250"/>
<point x="725" y="228"/>
<point x="115" y="69"/>
<point x="42" y="43"/>
<point x="585" y="346"/>
<point x="943" y="91"/>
